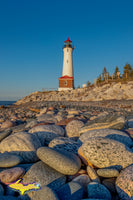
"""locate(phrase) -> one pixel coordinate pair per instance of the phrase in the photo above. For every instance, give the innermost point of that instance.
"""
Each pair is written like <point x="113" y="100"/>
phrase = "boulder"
<point x="124" y="183"/>
<point x="9" y="160"/>
<point x="72" y="128"/>
<point x="62" y="161"/>
<point x="23" y="144"/>
<point x="103" y="152"/>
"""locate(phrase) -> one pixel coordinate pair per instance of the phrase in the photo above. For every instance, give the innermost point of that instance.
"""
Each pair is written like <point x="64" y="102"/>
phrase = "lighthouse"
<point x="66" y="82"/>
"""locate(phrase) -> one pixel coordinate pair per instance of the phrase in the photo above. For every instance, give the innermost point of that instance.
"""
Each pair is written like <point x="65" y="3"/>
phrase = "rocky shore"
<point x="112" y="91"/>
<point x="74" y="150"/>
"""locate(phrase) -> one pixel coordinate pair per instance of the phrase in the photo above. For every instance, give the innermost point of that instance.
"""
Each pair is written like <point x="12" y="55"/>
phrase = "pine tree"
<point x="116" y="72"/>
<point x="127" y="70"/>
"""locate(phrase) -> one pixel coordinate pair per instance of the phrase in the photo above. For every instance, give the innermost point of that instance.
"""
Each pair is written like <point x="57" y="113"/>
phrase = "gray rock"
<point x="7" y="124"/>
<point x="92" y="174"/>
<point x="23" y="144"/>
<point x="62" y="161"/>
<point x="4" y="134"/>
<point x="47" y="118"/>
<point x="103" y="152"/>
<point x="45" y="192"/>
<point x="31" y="123"/>
<point x="124" y="183"/>
<point x="97" y="190"/>
<point x="9" y="160"/>
<point x="109" y="183"/>
<point x="11" y="175"/>
<point x="64" y="143"/>
<point x="44" y="175"/>
<point x="108" y="173"/>
<point x="130" y="123"/>
<point x="72" y="128"/>
<point x="107" y="121"/>
<point x="116" y="135"/>
<point x="49" y="129"/>
<point x="70" y="191"/>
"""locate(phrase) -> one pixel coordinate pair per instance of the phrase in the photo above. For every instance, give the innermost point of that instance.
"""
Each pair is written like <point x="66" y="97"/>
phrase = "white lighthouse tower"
<point x="66" y="82"/>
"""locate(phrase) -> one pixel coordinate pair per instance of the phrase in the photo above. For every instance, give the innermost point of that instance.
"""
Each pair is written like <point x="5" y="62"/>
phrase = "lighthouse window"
<point x="67" y="50"/>
<point x="65" y="82"/>
<point x="67" y="61"/>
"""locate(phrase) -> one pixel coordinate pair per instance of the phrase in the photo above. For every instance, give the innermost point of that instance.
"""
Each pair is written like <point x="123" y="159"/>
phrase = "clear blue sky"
<point x="32" y="33"/>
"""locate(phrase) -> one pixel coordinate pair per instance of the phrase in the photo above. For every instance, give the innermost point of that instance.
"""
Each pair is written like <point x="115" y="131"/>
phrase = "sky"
<point x="32" y="34"/>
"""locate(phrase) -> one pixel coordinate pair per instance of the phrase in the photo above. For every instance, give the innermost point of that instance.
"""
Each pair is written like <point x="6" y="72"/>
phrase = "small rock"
<point x="124" y="183"/>
<point x="9" y="160"/>
<point x="10" y="175"/>
<point x="62" y="161"/>
<point x="108" y="172"/>
<point x="92" y="174"/>
<point x="109" y="183"/>
<point x="97" y="190"/>
<point x="70" y="191"/>
<point x="4" y="134"/>
<point x="46" y="118"/>
<point x="7" y="124"/>
<point x="72" y="128"/>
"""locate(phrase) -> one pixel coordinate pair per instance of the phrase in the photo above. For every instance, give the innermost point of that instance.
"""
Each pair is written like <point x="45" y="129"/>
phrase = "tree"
<point x="88" y="83"/>
<point x="104" y="73"/>
<point x="99" y="79"/>
<point x="116" y="72"/>
<point x="127" y="70"/>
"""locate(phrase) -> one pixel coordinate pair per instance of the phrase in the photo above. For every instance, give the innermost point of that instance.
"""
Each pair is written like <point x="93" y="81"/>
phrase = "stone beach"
<point x="74" y="150"/>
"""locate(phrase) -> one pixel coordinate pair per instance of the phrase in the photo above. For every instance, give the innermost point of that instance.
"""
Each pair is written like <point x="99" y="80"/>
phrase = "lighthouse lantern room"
<point x="66" y="82"/>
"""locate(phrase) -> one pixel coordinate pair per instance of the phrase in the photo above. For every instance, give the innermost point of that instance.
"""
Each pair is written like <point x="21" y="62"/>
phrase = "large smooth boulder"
<point x="44" y="175"/>
<point x="107" y="121"/>
<point x="124" y="183"/>
<point x="23" y="144"/>
<point x="103" y="152"/>
<point x="64" y="162"/>
<point x="116" y="135"/>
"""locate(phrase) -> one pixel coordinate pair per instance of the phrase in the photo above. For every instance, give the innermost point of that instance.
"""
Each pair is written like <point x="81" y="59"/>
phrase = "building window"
<point x="65" y="82"/>
<point x="67" y="61"/>
<point x="67" y="50"/>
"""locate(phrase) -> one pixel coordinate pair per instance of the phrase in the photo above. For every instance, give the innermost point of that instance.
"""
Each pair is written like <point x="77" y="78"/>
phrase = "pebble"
<point x="4" y="134"/>
<point x="46" y="118"/>
<point x="23" y="144"/>
<point x="103" y="152"/>
<point x="10" y="175"/>
<point x="97" y="190"/>
<point x="70" y="191"/>
<point x="44" y="175"/>
<point x="124" y="183"/>
<point x="72" y="128"/>
<point x="109" y="183"/>
<point x="62" y="161"/>
<point x="108" y="173"/>
<point x="92" y="174"/>
<point x="9" y="160"/>
<point x="7" y="124"/>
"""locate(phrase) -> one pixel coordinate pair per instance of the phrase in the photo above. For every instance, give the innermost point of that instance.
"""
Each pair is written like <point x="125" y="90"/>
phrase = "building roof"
<point x="66" y="77"/>
<point x="68" y="40"/>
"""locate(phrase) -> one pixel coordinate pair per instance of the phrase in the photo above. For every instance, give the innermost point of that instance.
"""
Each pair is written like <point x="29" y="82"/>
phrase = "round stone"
<point x="97" y="190"/>
<point x="44" y="175"/>
<point x="64" y="143"/>
<point x="9" y="160"/>
<point x="7" y="124"/>
<point x="108" y="173"/>
<point x="124" y="183"/>
<point x="23" y="144"/>
<point x="10" y="175"/>
<point x="49" y="129"/>
<point x="44" y="192"/>
<point x="103" y="152"/>
<point x="116" y="135"/>
<point x="71" y="190"/>
<point x="4" y="134"/>
<point x="62" y="161"/>
<point x="109" y="183"/>
<point x="72" y="128"/>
